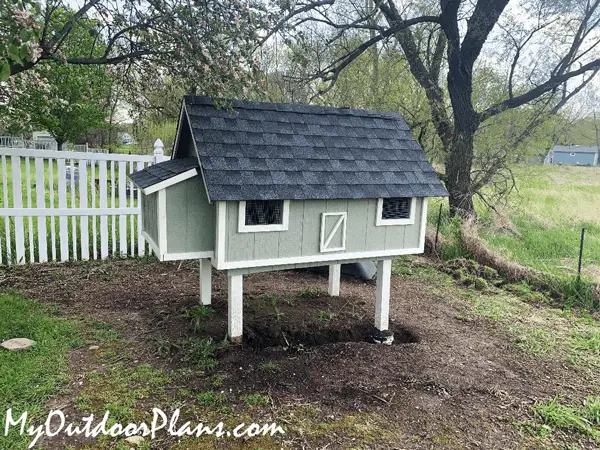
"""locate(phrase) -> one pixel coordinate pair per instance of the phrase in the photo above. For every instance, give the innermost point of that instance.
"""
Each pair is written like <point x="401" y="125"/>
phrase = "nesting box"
<point x="256" y="187"/>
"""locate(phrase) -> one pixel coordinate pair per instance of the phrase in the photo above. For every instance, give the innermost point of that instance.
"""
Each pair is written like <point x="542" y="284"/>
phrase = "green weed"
<point x="197" y="315"/>
<point x="256" y="400"/>
<point x="311" y="292"/>
<point x="268" y="367"/>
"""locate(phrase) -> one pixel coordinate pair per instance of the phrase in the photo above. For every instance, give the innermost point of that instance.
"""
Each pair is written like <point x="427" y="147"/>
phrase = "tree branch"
<point x="553" y="83"/>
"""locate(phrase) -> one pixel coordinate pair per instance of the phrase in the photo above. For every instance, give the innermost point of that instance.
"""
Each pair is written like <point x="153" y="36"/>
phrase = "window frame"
<point x="381" y="222"/>
<point x="283" y="226"/>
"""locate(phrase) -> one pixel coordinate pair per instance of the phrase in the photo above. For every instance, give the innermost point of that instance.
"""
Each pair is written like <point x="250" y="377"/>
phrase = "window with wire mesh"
<point x="396" y="208"/>
<point x="264" y="212"/>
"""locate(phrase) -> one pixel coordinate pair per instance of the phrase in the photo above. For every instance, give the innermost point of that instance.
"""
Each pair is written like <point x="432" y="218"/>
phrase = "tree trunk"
<point x="458" y="175"/>
<point x="59" y="145"/>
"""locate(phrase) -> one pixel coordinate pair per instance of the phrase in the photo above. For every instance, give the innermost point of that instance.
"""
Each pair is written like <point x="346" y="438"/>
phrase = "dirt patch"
<point x="461" y="386"/>
<point x="287" y="336"/>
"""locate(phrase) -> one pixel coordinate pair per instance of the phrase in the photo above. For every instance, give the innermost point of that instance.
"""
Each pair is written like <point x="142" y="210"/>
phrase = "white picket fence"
<point x="61" y="206"/>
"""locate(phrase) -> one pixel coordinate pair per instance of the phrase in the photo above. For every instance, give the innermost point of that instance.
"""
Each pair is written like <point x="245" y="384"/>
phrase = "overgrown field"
<point x="541" y="225"/>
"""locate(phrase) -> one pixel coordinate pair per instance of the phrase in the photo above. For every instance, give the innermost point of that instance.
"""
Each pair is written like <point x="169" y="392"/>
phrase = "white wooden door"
<point x="333" y="232"/>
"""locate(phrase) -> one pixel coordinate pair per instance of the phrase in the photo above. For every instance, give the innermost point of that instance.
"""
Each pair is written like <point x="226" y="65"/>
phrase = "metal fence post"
<point x="580" y="255"/>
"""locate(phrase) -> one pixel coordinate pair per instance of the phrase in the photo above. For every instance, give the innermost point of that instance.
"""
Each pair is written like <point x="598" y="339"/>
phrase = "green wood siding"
<point x="190" y="218"/>
<point x="150" y="215"/>
<point x="304" y="233"/>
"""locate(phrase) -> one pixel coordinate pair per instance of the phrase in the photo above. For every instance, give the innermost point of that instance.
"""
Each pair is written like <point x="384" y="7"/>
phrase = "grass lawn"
<point x="28" y="379"/>
<point x="131" y="149"/>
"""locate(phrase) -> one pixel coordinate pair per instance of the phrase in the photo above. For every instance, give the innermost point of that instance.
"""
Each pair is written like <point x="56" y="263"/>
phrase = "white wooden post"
<point x="235" y="308"/>
<point x="335" y="271"/>
<point x="159" y="151"/>
<point x="382" y="305"/>
<point x="205" y="281"/>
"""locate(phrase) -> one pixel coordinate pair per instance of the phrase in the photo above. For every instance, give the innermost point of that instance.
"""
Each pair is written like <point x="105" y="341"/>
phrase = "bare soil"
<point x="446" y="383"/>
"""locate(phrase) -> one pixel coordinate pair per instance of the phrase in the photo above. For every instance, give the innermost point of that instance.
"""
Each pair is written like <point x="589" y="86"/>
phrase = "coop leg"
<point x="205" y="282"/>
<point x="382" y="305"/>
<point x="335" y="271"/>
<point x="235" y="308"/>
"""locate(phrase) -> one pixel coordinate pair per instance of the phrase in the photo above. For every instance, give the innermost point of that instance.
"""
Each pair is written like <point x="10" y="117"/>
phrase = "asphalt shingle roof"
<point x="262" y="151"/>
<point x="152" y="175"/>
<point x="268" y="151"/>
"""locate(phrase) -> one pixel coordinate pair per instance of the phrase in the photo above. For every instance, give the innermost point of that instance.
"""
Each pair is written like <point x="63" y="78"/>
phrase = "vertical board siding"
<point x="190" y="218"/>
<point x="34" y="183"/>
<point x="304" y="234"/>
<point x="150" y="213"/>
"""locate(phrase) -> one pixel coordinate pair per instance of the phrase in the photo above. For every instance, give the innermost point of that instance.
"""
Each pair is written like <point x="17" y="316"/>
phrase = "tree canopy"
<point x="532" y="57"/>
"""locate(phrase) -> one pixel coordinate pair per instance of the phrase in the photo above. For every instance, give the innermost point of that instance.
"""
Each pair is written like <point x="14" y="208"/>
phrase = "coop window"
<point x="395" y="211"/>
<point x="263" y="215"/>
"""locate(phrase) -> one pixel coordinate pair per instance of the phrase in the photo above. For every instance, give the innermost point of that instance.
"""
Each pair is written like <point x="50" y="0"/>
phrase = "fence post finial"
<point x="159" y="151"/>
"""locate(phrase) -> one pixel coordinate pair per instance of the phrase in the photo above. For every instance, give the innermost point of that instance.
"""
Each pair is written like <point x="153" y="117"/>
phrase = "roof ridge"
<point x="294" y="107"/>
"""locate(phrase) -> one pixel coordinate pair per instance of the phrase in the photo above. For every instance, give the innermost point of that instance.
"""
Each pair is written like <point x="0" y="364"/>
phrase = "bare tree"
<point x="551" y="48"/>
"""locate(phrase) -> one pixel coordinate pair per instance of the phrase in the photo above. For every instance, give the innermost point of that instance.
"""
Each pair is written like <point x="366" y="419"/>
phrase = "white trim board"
<point x="341" y="257"/>
<point x="170" y="182"/>
<point x="423" y="223"/>
<point x="243" y="228"/>
<point x="162" y="221"/>
<point x="381" y="222"/>
<point x="152" y="245"/>
<point x="187" y="255"/>
<point x="221" y="234"/>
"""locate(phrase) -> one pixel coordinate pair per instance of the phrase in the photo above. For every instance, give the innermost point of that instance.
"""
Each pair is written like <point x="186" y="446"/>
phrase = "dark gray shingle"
<point x="252" y="151"/>
<point x="152" y="175"/>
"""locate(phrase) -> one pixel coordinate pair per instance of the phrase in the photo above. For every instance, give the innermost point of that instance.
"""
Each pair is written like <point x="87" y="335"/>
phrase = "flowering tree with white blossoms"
<point x="19" y="35"/>
<point x="212" y="43"/>
<point x="67" y="100"/>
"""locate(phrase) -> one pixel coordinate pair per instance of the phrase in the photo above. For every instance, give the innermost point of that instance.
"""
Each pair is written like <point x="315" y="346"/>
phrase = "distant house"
<point x="573" y="155"/>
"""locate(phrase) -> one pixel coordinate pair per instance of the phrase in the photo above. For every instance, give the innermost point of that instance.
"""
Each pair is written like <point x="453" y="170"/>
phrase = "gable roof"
<point x="166" y="170"/>
<point x="264" y="151"/>
<point x="575" y="149"/>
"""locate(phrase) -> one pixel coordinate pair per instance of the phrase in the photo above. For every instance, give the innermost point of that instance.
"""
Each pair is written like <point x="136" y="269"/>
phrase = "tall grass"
<point x="540" y="227"/>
